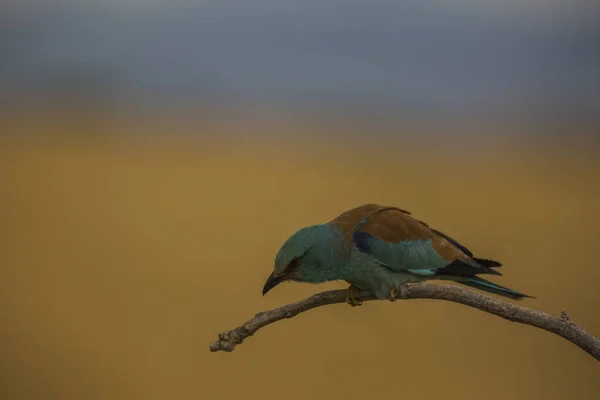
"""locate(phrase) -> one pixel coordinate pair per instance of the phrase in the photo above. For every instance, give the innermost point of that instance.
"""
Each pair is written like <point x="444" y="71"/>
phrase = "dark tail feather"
<point x="487" y="263"/>
<point x="461" y="268"/>
<point x="487" y="286"/>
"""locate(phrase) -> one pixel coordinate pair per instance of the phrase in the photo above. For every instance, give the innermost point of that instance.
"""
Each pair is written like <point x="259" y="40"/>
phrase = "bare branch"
<point x="562" y="326"/>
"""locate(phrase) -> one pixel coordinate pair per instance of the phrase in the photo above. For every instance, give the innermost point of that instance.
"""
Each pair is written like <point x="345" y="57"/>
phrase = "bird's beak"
<point x="273" y="281"/>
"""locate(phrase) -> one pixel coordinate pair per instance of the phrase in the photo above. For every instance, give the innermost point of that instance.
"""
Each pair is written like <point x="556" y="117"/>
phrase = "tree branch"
<point x="561" y="326"/>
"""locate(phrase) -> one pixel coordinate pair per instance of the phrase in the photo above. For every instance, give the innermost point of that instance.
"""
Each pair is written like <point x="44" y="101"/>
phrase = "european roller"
<point x="377" y="248"/>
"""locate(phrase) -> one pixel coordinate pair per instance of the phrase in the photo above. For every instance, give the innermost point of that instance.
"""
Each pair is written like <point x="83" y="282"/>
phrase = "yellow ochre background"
<point x="123" y="256"/>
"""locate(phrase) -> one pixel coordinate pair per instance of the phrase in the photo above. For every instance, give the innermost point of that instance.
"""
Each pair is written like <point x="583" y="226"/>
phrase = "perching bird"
<point x="377" y="248"/>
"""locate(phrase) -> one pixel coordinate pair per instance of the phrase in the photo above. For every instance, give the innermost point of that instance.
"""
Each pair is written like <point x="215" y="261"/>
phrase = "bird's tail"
<point x="487" y="263"/>
<point x="487" y="286"/>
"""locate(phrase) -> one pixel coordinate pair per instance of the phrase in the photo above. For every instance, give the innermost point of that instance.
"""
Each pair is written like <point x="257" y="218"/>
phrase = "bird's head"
<point x="300" y="258"/>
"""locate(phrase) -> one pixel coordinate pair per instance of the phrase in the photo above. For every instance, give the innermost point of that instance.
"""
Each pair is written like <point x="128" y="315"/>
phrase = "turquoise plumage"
<point x="378" y="248"/>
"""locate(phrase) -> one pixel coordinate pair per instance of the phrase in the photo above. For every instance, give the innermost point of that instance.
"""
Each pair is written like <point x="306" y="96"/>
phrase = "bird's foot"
<point x="351" y="297"/>
<point x="394" y="294"/>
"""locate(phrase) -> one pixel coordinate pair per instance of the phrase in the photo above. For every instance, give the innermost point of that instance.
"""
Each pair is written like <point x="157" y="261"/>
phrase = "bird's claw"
<point x="394" y="294"/>
<point x="351" y="297"/>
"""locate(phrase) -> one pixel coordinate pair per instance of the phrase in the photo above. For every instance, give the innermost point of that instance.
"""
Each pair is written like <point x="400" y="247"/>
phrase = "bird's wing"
<point x="400" y="242"/>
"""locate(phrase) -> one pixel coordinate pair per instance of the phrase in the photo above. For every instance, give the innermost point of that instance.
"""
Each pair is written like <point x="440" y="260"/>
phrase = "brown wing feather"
<point x="348" y="220"/>
<point x="395" y="225"/>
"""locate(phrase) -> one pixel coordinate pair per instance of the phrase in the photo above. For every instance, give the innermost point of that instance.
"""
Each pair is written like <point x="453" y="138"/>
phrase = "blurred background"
<point x="154" y="156"/>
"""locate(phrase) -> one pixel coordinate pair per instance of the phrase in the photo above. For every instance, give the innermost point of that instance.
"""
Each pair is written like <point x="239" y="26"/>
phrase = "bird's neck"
<point x="331" y="251"/>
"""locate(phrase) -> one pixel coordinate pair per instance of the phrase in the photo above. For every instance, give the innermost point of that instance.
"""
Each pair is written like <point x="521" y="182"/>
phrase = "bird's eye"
<point x="293" y="265"/>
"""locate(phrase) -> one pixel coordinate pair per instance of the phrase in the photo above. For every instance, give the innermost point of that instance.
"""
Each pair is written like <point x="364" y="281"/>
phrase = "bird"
<point x="378" y="248"/>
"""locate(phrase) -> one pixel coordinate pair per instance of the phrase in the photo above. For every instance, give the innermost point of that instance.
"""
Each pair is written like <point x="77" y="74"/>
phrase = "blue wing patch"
<point x="415" y="256"/>
<point x="424" y="272"/>
<point x="361" y="240"/>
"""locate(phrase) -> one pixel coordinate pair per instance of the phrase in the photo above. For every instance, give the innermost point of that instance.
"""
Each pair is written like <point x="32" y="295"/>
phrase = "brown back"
<point x="394" y="225"/>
